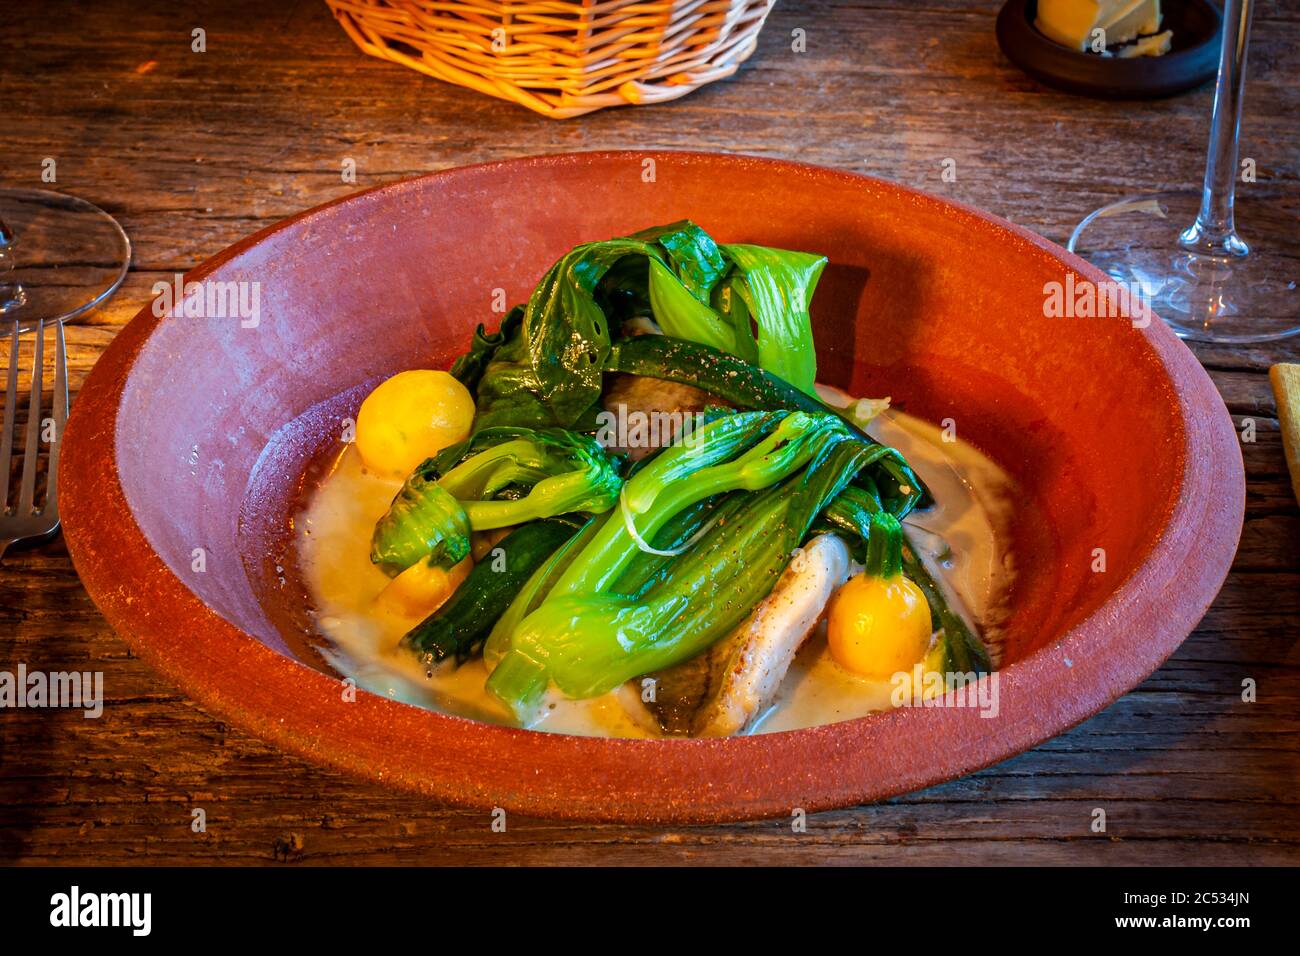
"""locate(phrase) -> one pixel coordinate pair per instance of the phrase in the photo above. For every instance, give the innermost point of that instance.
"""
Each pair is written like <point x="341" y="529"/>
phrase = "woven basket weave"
<point x="562" y="58"/>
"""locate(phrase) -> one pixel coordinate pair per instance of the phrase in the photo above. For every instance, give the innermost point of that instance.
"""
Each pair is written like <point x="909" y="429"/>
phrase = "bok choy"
<point x="497" y="478"/>
<point x="777" y="472"/>
<point x="544" y="365"/>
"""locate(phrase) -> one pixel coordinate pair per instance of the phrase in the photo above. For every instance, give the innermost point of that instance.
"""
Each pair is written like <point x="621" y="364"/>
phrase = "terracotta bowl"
<point x="199" y="433"/>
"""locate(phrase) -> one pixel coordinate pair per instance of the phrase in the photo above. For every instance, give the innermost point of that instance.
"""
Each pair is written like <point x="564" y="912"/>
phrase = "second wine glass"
<point x="1182" y="249"/>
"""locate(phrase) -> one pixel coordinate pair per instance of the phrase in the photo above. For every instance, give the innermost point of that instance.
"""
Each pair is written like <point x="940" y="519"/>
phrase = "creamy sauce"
<point x="334" y="555"/>
<point x="973" y="501"/>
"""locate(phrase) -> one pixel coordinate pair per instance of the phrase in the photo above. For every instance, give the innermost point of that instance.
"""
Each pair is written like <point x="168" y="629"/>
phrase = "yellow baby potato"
<point x="409" y="417"/>
<point x="422" y="588"/>
<point x="877" y="626"/>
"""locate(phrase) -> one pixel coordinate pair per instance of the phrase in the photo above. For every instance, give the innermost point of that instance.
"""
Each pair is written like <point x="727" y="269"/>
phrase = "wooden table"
<point x="191" y="151"/>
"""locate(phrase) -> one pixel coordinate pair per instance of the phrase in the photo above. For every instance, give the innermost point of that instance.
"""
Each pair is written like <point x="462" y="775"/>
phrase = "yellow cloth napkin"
<point x="1286" y="388"/>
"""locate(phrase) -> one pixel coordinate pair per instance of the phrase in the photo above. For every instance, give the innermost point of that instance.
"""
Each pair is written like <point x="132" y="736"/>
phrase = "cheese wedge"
<point x="1072" y="22"/>
<point x="1286" y="389"/>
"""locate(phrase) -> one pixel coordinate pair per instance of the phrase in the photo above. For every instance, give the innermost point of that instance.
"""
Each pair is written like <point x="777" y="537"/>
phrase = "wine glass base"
<point x="1234" y="299"/>
<point x="68" y="256"/>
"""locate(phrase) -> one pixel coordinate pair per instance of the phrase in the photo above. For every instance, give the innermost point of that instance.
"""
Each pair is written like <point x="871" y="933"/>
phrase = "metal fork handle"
<point x="11" y="406"/>
<point x="28" y="521"/>
<point x="31" y="445"/>
<point x="41" y="538"/>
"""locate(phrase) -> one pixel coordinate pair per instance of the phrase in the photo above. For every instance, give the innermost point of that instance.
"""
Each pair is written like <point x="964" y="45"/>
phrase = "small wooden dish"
<point x="1193" y="59"/>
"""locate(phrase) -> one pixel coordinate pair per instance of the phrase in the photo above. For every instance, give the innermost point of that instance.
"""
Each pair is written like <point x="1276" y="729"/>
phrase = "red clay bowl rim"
<point x="235" y="676"/>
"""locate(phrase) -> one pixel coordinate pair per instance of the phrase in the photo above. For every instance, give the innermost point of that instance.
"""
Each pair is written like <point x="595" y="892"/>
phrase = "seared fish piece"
<point x="725" y="689"/>
<point x="652" y="412"/>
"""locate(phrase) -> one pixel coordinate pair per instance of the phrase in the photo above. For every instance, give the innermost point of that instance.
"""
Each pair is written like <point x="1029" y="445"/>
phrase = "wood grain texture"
<point x="192" y="151"/>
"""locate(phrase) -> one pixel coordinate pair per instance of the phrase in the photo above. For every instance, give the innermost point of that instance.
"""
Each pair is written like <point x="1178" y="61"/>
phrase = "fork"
<point x="27" y="521"/>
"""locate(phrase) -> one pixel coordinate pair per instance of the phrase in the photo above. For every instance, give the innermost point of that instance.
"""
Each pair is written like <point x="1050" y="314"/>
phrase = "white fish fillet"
<point x="725" y="689"/>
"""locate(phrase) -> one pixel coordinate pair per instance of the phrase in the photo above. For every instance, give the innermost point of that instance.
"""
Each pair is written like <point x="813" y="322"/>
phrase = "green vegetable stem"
<point x="499" y="477"/>
<point x="884" y="546"/>
<point x="747" y="386"/>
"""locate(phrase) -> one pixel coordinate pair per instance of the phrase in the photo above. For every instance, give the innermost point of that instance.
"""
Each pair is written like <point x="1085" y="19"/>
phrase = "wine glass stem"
<point x="12" y="295"/>
<point x="1214" y="231"/>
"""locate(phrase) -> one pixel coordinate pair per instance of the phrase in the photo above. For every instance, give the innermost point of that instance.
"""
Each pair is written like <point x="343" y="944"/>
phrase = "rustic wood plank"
<point x="194" y="151"/>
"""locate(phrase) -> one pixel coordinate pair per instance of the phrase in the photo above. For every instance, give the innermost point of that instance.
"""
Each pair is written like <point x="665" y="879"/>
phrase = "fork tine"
<point x="51" y="508"/>
<point x="7" y="439"/>
<point x="27" y="491"/>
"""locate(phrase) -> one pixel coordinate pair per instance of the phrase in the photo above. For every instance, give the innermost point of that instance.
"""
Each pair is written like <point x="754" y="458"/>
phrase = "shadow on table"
<point x="29" y="774"/>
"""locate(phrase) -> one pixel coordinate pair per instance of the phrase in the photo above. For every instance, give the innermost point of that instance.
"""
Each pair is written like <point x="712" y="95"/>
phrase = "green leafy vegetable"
<point x="696" y="260"/>
<point x="469" y="367"/>
<point x="544" y="365"/>
<point x="681" y="315"/>
<point x="713" y="370"/>
<point x="773" y="287"/>
<point x="535" y="590"/>
<point x="498" y="477"/>
<point x="643" y="569"/>
<point x="884" y="546"/>
<point x="548" y="372"/>
<point x="589" y="634"/>
<point x="423" y="522"/>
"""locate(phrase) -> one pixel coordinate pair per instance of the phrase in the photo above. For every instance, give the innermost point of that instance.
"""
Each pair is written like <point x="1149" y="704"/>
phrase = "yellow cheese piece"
<point x="1286" y="389"/>
<point x="1072" y="22"/>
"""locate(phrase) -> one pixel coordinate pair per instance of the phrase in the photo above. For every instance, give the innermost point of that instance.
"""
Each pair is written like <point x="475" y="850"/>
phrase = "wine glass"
<point x="60" y="256"/>
<point x="1182" y="249"/>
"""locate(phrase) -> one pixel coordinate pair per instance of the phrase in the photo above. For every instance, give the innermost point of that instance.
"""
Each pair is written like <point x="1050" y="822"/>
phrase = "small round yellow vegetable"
<point x="879" y="622"/>
<point x="878" y="626"/>
<point x="409" y="417"/>
<point x="422" y="588"/>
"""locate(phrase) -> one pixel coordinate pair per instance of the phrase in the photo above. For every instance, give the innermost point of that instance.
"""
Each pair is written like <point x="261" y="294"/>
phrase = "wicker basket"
<point x="562" y="57"/>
